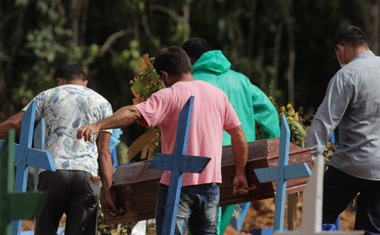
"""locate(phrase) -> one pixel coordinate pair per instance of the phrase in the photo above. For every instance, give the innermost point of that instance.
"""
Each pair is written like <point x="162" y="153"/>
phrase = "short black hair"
<point x="352" y="36"/>
<point x="69" y="71"/>
<point x="195" y="47"/>
<point x="172" y="60"/>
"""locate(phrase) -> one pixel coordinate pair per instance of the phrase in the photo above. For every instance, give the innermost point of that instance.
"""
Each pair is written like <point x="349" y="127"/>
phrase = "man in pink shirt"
<point x="212" y="113"/>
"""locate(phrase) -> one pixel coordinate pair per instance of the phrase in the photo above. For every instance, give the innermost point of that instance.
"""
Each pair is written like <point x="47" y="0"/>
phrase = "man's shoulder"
<point x="238" y="74"/>
<point x="208" y="86"/>
<point x="75" y="92"/>
<point x="359" y="66"/>
<point x="193" y="86"/>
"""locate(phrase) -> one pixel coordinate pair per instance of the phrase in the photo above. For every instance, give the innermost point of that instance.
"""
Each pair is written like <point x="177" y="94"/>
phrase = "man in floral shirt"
<point x="73" y="188"/>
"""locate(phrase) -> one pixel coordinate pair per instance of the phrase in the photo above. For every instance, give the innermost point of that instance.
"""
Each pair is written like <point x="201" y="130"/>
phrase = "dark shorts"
<point x="73" y="193"/>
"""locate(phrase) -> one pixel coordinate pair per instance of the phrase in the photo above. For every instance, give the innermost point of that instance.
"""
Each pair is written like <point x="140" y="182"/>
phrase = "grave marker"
<point x="312" y="206"/>
<point x="38" y="143"/>
<point x="14" y="205"/>
<point x="26" y="156"/>
<point x="281" y="173"/>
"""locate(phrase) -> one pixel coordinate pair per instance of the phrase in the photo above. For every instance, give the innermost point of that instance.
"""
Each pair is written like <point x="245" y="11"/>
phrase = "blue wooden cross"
<point x="26" y="156"/>
<point x="14" y="205"/>
<point x="38" y="143"/>
<point x="178" y="163"/>
<point x="312" y="206"/>
<point x="281" y="173"/>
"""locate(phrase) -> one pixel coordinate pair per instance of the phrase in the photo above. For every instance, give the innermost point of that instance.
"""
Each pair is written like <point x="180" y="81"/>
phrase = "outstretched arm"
<point x="121" y="118"/>
<point x="240" y="151"/>
<point x="13" y="122"/>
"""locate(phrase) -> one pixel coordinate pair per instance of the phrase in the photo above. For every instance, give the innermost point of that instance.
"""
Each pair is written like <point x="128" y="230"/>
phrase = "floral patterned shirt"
<point x="65" y="109"/>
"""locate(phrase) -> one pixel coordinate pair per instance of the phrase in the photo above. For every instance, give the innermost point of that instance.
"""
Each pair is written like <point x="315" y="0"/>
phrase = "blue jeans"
<point x="198" y="207"/>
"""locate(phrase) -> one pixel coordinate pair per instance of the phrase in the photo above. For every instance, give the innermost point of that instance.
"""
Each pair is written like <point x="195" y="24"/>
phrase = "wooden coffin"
<point x="136" y="187"/>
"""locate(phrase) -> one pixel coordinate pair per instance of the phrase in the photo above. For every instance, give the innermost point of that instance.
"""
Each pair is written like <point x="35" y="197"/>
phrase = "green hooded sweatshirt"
<point x="251" y="104"/>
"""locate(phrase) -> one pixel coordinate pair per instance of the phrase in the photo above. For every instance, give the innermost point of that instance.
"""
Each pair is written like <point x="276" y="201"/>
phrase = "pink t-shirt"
<point x="212" y="113"/>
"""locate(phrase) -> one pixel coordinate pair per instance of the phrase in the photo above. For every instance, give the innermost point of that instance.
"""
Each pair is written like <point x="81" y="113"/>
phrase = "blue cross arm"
<point x="41" y="159"/>
<point x="290" y="172"/>
<point x="267" y="174"/>
<point x="297" y="171"/>
<point x="162" y="161"/>
<point x="193" y="164"/>
<point x="23" y="205"/>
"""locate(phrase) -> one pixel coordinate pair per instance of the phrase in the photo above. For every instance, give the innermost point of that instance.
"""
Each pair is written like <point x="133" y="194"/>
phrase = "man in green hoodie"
<point x="251" y="104"/>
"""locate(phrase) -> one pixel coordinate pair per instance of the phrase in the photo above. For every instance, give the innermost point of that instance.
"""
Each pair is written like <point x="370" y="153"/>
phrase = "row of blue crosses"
<point x="177" y="163"/>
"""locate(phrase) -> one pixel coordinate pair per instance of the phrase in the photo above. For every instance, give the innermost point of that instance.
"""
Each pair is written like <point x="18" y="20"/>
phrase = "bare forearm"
<point x="121" y="118"/>
<point x="105" y="169"/>
<point x="239" y="149"/>
<point x="104" y="159"/>
<point x="12" y="123"/>
<point x="241" y="155"/>
<point x="4" y="128"/>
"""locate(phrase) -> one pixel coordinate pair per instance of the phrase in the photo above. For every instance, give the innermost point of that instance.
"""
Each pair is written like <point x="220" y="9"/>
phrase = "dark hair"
<point x="173" y="60"/>
<point x="352" y="36"/>
<point x="195" y="47"/>
<point x="69" y="71"/>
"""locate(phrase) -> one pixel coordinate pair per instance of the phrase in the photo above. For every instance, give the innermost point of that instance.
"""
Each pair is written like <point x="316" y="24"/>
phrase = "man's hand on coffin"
<point x="240" y="185"/>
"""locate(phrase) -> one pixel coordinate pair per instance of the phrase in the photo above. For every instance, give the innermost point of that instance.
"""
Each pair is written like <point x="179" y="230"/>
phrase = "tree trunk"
<point x="292" y="54"/>
<point x="251" y="33"/>
<point x="371" y="25"/>
<point x="77" y="13"/>
<point x="277" y="53"/>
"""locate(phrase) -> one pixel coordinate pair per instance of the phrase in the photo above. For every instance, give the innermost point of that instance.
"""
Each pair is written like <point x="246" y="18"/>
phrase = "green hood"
<point x="213" y="61"/>
<point x="251" y="104"/>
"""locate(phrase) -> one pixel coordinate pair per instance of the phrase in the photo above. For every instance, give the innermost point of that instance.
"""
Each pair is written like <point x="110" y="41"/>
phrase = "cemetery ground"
<point x="259" y="215"/>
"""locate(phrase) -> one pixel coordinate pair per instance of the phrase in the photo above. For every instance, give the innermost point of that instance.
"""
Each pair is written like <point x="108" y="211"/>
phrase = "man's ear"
<point x="85" y="82"/>
<point x="59" y="81"/>
<point x="193" y="60"/>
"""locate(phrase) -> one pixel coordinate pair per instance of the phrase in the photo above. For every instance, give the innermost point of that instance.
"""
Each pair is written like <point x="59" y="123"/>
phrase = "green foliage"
<point x="296" y="125"/>
<point x="129" y="58"/>
<point x="146" y="81"/>
<point x="39" y="34"/>
<point x="46" y="42"/>
<point x="299" y="124"/>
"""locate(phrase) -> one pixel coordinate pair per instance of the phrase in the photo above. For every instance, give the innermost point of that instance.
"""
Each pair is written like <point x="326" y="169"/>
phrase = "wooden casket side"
<point x="136" y="187"/>
<point x="135" y="190"/>
<point x="257" y="149"/>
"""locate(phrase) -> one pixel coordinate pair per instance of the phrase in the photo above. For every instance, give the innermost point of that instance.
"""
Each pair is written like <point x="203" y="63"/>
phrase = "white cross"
<point x="312" y="206"/>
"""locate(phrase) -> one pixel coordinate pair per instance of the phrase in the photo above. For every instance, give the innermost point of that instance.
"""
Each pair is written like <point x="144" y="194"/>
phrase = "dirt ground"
<point x="259" y="215"/>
